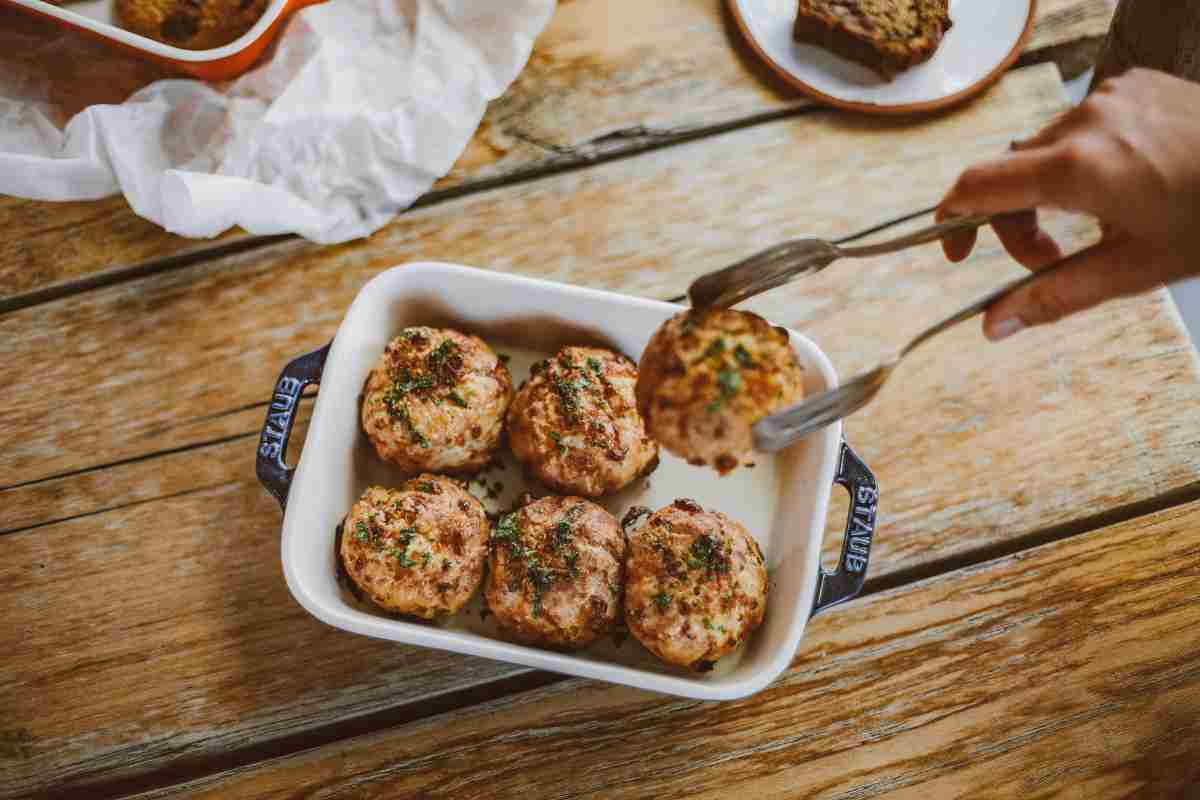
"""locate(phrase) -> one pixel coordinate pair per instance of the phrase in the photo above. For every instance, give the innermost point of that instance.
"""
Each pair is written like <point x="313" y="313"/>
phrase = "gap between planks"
<point x="530" y="680"/>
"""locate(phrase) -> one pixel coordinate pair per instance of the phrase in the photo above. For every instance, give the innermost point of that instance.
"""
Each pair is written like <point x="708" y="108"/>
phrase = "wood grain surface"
<point x="1069" y="670"/>
<point x="606" y="78"/>
<point x="136" y="465"/>
<point x="160" y="633"/>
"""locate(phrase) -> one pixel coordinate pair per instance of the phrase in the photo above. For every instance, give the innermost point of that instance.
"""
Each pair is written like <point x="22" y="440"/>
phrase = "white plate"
<point x="783" y="500"/>
<point x="985" y="39"/>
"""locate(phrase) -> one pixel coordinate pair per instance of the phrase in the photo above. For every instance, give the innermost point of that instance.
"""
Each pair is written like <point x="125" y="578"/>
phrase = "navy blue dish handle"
<point x="846" y="582"/>
<point x="272" y="470"/>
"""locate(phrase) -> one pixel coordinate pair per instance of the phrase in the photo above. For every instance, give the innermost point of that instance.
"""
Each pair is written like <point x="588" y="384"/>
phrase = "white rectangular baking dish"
<point x="783" y="501"/>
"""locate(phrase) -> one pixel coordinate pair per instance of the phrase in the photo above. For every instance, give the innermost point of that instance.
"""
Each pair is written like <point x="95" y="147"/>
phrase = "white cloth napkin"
<point x="361" y="107"/>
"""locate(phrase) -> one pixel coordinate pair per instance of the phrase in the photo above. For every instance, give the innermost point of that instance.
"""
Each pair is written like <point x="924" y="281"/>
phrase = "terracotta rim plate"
<point x="985" y="40"/>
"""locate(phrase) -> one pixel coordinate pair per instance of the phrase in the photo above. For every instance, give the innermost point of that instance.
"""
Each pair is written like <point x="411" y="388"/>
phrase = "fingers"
<point x="1011" y="183"/>
<point x="957" y="245"/>
<point x="1102" y="272"/>
<point x="1020" y="234"/>
<point x="1025" y="240"/>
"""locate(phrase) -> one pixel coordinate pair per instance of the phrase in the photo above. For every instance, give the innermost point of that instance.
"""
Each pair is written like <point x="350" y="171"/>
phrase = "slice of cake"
<point x="889" y="36"/>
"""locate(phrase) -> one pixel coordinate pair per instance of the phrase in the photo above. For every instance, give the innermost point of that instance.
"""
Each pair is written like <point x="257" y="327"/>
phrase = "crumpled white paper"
<point x="361" y="107"/>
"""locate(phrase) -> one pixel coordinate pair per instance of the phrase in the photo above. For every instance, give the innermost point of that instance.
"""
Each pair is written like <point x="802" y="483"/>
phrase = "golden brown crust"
<point x="194" y="24"/>
<point x="888" y="36"/>
<point x="707" y="376"/>
<point x="575" y="426"/>
<point x="556" y="572"/>
<point x="417" y="550"/>
<point x="695" y="585"/>
<point x="435" y="401"/>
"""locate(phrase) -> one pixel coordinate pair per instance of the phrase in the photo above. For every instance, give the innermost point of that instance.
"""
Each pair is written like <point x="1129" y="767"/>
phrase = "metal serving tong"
<point x="782" y="263"/>
<point x="785" y="262"/>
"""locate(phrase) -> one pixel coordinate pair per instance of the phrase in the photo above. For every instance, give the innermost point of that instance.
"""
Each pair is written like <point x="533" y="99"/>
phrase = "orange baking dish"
<point x="95" y="18"/>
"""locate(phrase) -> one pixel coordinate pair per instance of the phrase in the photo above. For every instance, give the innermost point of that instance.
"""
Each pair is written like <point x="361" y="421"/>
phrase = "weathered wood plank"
<point x="226" y="441"/>
<point x="161" y="636"/>
<point x="606" y="78"/>
<point x="1071" y="670"/>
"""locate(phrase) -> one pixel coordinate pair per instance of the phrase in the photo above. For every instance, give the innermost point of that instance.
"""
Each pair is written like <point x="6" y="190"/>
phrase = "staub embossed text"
<point x="283" y="407"/>
<point x="862" y="526"/>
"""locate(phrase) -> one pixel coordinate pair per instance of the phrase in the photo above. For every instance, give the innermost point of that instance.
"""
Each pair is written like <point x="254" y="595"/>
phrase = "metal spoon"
<point x="782" y="263"/>
<point x="784" y="427"/>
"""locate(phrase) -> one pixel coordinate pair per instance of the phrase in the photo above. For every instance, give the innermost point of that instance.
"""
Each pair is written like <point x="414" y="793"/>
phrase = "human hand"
<point x="1129" y="155"/>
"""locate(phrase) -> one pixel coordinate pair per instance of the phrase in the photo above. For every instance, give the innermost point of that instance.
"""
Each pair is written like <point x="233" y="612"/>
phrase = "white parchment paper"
<point x="361" y="106"/>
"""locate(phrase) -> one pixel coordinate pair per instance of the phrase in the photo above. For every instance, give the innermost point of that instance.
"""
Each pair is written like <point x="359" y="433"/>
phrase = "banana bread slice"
<point x="889" y="36"/>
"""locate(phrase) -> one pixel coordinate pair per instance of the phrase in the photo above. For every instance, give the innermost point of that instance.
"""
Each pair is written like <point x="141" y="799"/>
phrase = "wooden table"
<point x="1031" y="624"/>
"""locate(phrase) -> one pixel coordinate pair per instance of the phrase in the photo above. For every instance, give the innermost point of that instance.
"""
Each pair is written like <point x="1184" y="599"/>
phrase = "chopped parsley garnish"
<point x="393" y="400"/>
<point x="540" y="579"/>
<point x="410" y="383"/>
<point x="564" y="545"/>
<point x="401" y="553"/>
<point x="508" y="532"/>
<point x="568" y="396"/>
<point x="457" y="399"/>
<point x="662" y="600"/>
<point x="444" y="362"/>
<point x="427" y="487"/>
<point x="743" y="356"/>
<point x="566" y="361"/>
<point x="594" y="366"/>
<point x="707" y="552"/>
<point x="715" y="349"/>
<point x="397" y="409"/>
<point x="361" y="532"/>
<point x="557" y="437"/>
<point x="425" y="560"/>
<point x="708" y="624"/>
<point x="730" y="381"/>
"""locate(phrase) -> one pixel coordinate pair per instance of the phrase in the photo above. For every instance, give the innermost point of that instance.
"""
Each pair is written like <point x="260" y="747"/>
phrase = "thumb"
<point x="1110" y="269"/>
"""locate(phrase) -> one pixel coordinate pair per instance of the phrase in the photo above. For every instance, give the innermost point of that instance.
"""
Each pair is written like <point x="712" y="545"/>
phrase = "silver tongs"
<point x="782" y="263"/>
<point x="785" y="262"/>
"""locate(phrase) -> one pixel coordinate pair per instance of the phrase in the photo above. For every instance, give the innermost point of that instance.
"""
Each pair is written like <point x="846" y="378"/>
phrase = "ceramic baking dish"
<point x="95" y="18"/>
<point x="783" y="500"/>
